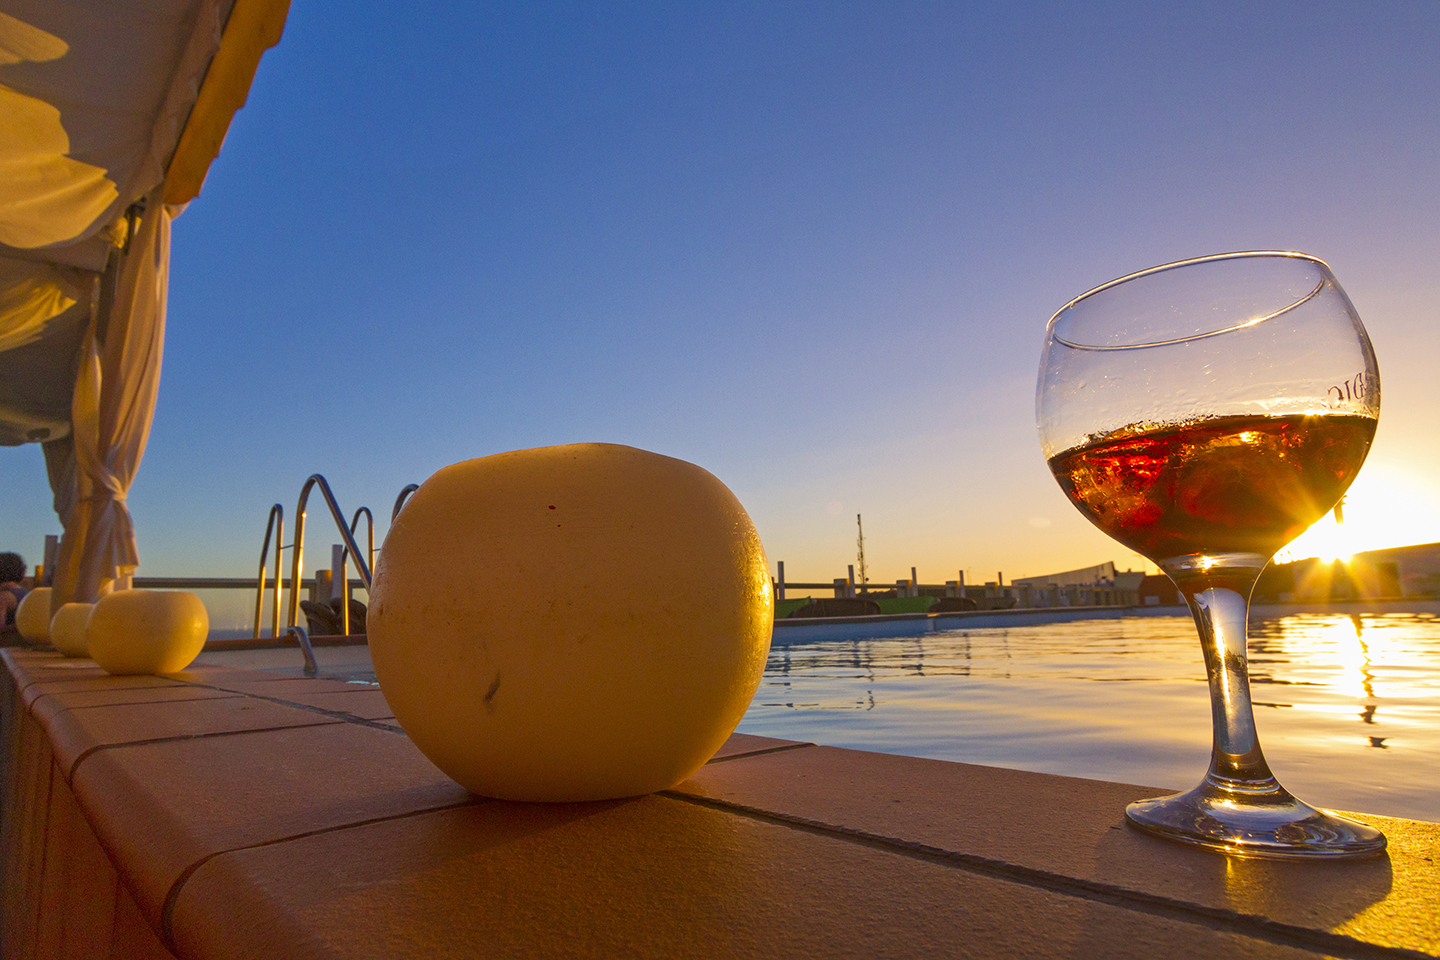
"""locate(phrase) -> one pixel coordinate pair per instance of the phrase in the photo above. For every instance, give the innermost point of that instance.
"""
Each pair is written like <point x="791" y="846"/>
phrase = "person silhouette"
<point x="12" y="571"/>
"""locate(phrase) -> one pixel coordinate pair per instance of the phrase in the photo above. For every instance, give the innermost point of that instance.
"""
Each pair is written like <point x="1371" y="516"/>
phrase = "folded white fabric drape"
<point x="114" y="405"/>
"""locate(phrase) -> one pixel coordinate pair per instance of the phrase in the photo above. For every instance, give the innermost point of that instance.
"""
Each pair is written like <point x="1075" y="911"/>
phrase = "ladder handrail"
<point x="361" y="565"/>
<point x="345" y="556"/>
<point x="400" y="500"/>
<point x="369" y="533"/>
<point x="276" y="522"/>
<point x="302" y="637"/>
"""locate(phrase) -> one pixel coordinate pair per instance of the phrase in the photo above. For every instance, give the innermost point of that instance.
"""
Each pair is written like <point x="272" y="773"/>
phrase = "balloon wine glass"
<point x="1205" y="413"/>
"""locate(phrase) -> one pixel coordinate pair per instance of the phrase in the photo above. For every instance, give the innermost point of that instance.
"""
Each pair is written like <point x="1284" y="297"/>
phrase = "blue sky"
<point x="810" y="247"/>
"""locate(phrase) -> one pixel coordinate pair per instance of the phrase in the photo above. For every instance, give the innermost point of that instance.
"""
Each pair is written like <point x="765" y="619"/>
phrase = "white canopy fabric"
<point x="31" y="295"/>
<point x="111" y="112"/>
<point x="97" y="92"/>
<point x="114" y="403"/>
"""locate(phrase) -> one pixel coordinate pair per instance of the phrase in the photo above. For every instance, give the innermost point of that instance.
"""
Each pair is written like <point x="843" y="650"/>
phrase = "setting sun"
<point x="1383" y="509"/>
<point x="1327" y="539"/>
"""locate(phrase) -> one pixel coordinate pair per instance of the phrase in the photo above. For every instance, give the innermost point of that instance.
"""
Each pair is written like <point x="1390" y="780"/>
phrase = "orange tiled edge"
<point x="160" y="809"/>
<point x="149" y="805"/>
<point x="646" y="877"/>
<point x="162" y="793"/>
<point x="1041" y="826"/>
<point x="79" y="731"/>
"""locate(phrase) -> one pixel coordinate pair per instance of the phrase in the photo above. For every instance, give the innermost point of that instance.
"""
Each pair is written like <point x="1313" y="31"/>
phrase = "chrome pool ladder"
<point x="364" y="562"/>
<point x="276" y="523"/>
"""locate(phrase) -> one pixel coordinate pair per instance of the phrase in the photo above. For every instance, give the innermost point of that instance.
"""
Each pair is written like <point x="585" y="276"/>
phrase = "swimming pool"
<point x="1348" y="708"/>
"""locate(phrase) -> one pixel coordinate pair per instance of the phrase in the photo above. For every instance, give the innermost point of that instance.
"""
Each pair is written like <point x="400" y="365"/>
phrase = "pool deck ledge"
<point x="223" y="812"/>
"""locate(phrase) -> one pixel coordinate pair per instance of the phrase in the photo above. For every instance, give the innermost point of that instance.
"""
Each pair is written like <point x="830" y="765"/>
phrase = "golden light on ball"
<point x="147" y="631"/>
<point x="570" y="623"/>
<point x="32" y="617"/>
<point x="67" y="629"/>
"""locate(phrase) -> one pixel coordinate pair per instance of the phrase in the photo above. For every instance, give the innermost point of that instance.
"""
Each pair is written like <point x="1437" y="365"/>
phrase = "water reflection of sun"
<point x="1323" y="652"/>
<point x="1383" y="508"/>
<point x="1352" y="655"/>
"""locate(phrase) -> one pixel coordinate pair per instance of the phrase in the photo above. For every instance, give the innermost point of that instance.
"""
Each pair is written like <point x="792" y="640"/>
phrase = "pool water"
<point x="1348" y="708"/>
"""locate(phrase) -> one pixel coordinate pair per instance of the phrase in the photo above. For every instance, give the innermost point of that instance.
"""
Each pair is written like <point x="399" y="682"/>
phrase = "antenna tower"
<point x="860" y="553"/>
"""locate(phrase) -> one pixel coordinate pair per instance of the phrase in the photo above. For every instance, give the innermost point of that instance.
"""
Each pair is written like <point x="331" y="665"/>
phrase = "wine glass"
<point x="1204" y="413"/>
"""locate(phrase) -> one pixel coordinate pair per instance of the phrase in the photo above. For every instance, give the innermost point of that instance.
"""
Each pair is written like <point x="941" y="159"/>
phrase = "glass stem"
<point x="1217" y="590"/>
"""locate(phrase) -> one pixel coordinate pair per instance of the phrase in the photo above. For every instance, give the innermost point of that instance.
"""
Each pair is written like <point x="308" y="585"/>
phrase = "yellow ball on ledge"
<point x="579" y="622"/>
<point x="67" y="629"/>
<point x="32" y="617"/>
<point x="147" y="631"/>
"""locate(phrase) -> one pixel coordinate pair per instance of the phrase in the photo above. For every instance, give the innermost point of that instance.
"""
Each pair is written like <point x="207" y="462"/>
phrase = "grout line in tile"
<point x="128" y="703"/>
<point x="1230" y="921"/>
<point x="167" y="911"/>
<point x="759" y="753"/>
<point x="340" y="715"/>
<point x="149" y="686"/>
<point x="183" y="737"/>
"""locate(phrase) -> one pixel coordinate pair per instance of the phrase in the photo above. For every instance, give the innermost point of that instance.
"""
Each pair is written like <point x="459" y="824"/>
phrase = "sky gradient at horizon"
<point x="811" y="248"/>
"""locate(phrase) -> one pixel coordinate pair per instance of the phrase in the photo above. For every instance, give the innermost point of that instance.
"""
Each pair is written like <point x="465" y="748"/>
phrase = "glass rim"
<point x="1192" y="261"/>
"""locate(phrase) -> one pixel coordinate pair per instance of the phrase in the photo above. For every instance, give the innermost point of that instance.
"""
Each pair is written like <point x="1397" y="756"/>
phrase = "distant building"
<point x="1158" y="590"/>
<point x="1130" y="579"/>
<point x="1412" y="571"/>
<point x="1100" y="585"/>
<point x="1098" y="575"/>
<point x="1392" y="573"/>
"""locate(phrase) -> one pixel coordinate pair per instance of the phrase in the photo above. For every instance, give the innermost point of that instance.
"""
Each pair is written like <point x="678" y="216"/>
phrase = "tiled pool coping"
<point x="224" y="813"/>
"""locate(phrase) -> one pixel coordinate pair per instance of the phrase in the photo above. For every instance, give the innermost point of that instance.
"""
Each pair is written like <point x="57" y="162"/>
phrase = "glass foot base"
<point x="1271" y="824"/>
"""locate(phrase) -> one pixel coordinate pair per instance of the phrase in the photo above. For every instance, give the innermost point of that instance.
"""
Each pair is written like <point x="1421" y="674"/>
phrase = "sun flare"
<point x="1382" y="509"/>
